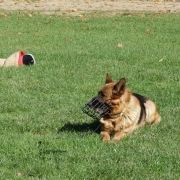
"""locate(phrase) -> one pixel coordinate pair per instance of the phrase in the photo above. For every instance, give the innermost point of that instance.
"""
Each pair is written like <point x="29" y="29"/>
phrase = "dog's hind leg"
<point x="152" y="115"/>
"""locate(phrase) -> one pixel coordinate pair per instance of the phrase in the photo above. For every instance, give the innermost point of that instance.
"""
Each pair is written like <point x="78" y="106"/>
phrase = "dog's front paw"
<point x="115" y="140"/>
<point x="106" y="136"/>
<point x="106" y="140"/>
<point x="118" y="136"/>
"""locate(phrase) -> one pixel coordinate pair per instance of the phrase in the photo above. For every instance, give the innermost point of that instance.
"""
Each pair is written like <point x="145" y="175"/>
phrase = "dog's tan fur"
<point x="128" y="112"/>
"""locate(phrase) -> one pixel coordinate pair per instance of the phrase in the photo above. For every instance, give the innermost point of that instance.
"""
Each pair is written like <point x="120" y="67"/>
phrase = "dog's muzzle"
<point x="96" y="108"/>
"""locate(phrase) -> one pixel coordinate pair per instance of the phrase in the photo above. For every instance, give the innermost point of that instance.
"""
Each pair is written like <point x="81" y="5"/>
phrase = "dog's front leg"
<point x="104" y="133"/>
<point x="119" y="135"/>
<point x="106" y="136"/>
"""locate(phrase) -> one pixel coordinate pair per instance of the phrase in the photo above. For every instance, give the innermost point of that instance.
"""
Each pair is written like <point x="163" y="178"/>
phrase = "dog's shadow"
<point x="81" y="127"/>
<point x="93" y="127"/>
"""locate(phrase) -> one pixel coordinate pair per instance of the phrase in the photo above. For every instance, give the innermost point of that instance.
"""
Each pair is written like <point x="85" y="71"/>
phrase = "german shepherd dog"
<point x="129" y="111"/>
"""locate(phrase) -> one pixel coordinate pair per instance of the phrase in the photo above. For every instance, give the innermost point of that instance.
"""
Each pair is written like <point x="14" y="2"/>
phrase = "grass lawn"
<point x="43" y="132"/>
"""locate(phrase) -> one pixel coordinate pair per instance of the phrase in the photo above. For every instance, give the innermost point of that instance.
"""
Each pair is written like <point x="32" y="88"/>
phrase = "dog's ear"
<point x="108" y="79"/>
<point x="119" y="88"/>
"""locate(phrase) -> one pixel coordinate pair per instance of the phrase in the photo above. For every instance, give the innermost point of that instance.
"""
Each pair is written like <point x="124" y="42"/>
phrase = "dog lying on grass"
<point x="129" y="111"/>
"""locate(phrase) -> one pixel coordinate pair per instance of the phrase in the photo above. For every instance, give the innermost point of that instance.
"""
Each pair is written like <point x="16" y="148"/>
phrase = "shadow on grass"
<point x="53" y="152"/>
<point x="81" y="127"/>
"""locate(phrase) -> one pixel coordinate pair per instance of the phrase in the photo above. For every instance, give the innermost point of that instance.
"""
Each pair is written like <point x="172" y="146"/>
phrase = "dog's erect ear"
<point x="108" y="79"/>
<point x="119" y="88"/>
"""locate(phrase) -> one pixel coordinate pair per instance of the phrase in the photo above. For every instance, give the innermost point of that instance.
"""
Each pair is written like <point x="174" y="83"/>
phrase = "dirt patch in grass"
<point x="76" y="7"/>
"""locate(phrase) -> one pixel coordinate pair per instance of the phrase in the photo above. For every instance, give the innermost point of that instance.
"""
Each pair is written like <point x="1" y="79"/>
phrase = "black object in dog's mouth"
<point x="96" y="108"/>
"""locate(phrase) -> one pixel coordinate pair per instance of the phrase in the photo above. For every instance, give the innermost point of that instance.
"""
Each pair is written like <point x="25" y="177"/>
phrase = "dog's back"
<point x="148" y="112"/>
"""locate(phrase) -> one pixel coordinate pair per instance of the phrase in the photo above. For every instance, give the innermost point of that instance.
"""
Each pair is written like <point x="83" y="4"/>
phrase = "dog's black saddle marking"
<point x="142" y="101"/>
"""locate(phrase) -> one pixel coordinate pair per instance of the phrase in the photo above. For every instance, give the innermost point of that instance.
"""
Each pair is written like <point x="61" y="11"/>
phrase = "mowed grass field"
<point x="43" y="132"/>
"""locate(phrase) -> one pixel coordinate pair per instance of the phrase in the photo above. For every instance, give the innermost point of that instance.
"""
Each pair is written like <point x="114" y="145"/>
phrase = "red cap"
<point x="20" y="60"/>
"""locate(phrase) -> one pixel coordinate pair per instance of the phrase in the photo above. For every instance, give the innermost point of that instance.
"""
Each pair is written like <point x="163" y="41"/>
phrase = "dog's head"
<point x="114" y="93"/>
<point x="107" y="100"/>
<point x="112" y="90"/>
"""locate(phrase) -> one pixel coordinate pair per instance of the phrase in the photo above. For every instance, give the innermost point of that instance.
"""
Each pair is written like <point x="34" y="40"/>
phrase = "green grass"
<point x="43" y="132"/>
